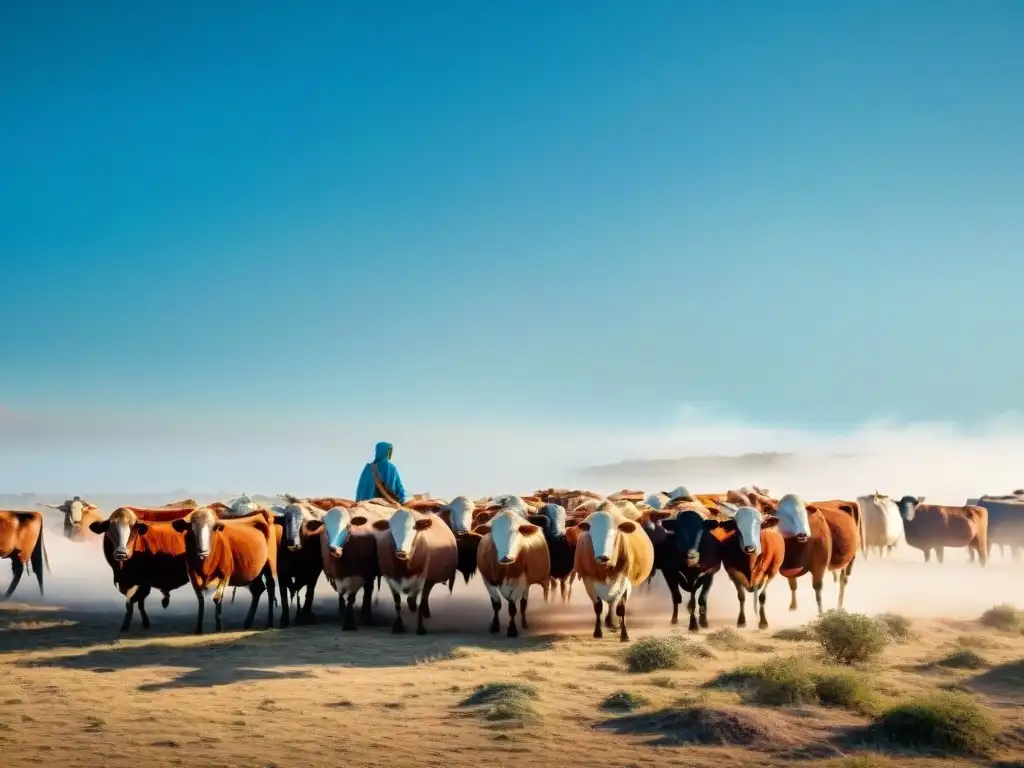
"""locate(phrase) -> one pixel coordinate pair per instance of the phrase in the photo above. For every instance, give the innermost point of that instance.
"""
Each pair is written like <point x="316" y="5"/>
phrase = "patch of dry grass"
<point x="944" y="722"/>
<point x="1004" y="617"/>
<point x="659" y="653"/>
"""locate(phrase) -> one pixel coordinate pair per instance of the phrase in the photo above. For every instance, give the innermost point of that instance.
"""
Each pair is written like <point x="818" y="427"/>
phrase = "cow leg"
<point x="522" y="609"/>
<point x="424" y="612"/>
<point x="492" y="592"/>
<point x="762" y="596"/>
<point x="547" y="589"/>
<point x="608" y="616"/>
<point x="306" y="615"/>
<point x="691" y="607"/>
<point x="218" y="605"/>
<point x="843" y="579"/>
<point x="129" y="610"/>
<point x="451" y="583"/>
<point x="366" y="612"/>
<point x="597" y="619"/>
<point x="792" y="592"/>
<point x="256" y="589"/>
<point x="672" y="580"/>
<point x="18" y="568"/>
<point x="927" y="555"/>
<point x="283" y="583"/>
<point x="140" y="598"/>
<point x="561" y="590"/>
<point x="412" y="603"/>
<point x="201" y="598"/>
<point x="818" y="582"/>
<point x="166" y="600"/>
<point x="398" y="627"/>
<point x="512" y="630"/>
<point x="940" y="554"/>
<point x="702" y="601"/>
<point x="741" y="595"/>
<point x="620" y="611"/>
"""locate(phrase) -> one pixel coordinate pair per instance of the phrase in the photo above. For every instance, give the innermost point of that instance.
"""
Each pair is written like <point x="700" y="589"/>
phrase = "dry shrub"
<point x="672" y="652"/>
<point x="943" y="722"/>
<point x="512" y="702"/>
<point x="624" y="701"/>
<point x="794" y="635"/>
<point x="1004" y="617"/>
<point x="900" y="628"/>
<point x="963" y="658"/>
<point x="850" y="638"/>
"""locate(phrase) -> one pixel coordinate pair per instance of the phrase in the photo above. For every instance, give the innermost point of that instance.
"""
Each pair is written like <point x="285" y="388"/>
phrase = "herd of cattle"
<point x="550" y="538"/>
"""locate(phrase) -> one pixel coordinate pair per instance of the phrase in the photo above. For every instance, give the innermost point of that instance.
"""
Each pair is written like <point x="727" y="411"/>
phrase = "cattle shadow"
<point x="228" y="657"/>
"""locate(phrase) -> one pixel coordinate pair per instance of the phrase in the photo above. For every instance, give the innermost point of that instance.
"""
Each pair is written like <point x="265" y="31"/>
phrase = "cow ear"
<point x="668" y="524"/>
<point x="811" y="509"/>
<point x="482" y="530"/>
<point x="357" y="520"/>
<point x="710" y="525"/>
<point x="584" y="526"/>
<point x="769" y="522"/>
<point x="218" y="526"/>
<point x="540" y="520"/>
<point x="659" y="514"/>
<point x="100" y="526"/>
<point x="529" y="530"/>
<point x="481" y="517"/>
<point x="627" y="526"/>
<point x="180" y="525"/>
<point x="423" y="524"/>
<point x="920" y="499"/>
<point x="847" y="509"/>
<point x="313" y="526"/>
<point x="141" y="528"/>
<point x="727" y="525"/>
<point x="381" y="525"/>
<point x="570" y="523"/>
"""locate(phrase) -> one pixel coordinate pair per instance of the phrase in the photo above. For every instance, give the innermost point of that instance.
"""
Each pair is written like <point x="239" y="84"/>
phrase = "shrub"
<point x="505" y="701"/>
<point x="654" y="653"/>
<point x="727" y="639"/>
<point x="846" y="690"/>
<point x="898" y="627"/>
<point x="963" y="658"/>
<point x="849" y="638"/>
<point x="794" y="634"/>
<point x="624" y="701"/>
<point x="1004" y="617"/>
<point x="947" y="722"/>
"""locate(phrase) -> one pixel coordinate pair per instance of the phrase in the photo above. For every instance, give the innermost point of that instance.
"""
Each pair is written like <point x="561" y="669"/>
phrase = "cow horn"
<point x="728" y="508"/>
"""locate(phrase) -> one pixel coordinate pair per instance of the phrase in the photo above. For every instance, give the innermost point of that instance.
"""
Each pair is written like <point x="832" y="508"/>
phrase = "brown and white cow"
<point x="21" y="542"/>
<point x="512" y="557"/>
<point x="349" y="553"/>
<point x="613" y="555"/>
<point x="240" y="552"/>
<point x="143" y="556"/>
<point x="752" y="552"/>
<point x="417" y="551"/>
<point x="79" y="515"/>
<point x="933" y="527"/>
<point x="820" y="537"/>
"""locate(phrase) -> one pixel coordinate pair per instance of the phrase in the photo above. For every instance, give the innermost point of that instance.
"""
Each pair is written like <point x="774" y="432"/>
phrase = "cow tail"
<point x="39" y="559"/>
<point x="861" y="531"/>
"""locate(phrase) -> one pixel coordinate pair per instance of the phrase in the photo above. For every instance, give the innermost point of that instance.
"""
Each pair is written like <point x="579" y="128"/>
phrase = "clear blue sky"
<point x="811" y="213"/>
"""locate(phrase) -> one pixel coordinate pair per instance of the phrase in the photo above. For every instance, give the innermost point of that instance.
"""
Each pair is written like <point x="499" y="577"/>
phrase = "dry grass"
<point x="78" y="694"/>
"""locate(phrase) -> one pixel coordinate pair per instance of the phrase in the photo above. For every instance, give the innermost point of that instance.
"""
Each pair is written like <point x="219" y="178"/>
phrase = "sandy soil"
<point x="74" y="692"/>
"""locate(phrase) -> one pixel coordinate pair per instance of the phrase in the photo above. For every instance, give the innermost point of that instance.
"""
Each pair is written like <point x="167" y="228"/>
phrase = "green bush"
<point x="624" y="701"/>
<point x="963" y="658"/>
<point x="946" y="722"/>
<point x="846" y="690"/>
<point x="671" y="652"/>
<point x="898" y="627"/>
<point x="505" y="701"/>
<point x="850" y="638"/>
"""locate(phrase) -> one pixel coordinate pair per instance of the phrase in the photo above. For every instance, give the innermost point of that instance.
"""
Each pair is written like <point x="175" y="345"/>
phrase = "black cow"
<point x="689" y="556"/>
<point x="299" y="563"/>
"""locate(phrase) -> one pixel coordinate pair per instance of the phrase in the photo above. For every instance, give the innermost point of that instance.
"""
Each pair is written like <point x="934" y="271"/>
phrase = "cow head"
<point x="337" y="527"/>
<point x="508" y="529"/>
<point x="291" y="520"/>
<point x="687" y="531"/>
<point x="604" y="527"/>
<point x="74" y="510"/>
<point x="202" y="523"/>
<point x="748" y="523"/>
<point x="404" y="525"/>
<point x="120" y="529"/>
<point x="908" y="506"/>
<point x="459" y="512"/>
<point x="552" y="518"/>
<point x="794" y="517"/>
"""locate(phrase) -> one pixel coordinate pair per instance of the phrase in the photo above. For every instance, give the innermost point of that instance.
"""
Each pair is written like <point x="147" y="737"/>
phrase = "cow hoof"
<point x="762" y="625"/>
<point x="495" y="627"/>
<point x="704" y="622"/>
<point x="598" y="634"/>
<point x="624" y="637"/>
<point x="512" y="632"/>
<point x="693" y="625"/>
<point x="165" y="602"/>
<point x="741" y="623"/>
<point x="426" y="612"/>
<point x="145" y="625"/>
<point x="421" y="630"/>
<point x="124" y="627"/>
<point x="398" y="628"/>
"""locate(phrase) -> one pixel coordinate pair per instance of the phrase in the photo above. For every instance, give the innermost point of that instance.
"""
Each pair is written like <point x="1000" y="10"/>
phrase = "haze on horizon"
<point x="237" y="248"/>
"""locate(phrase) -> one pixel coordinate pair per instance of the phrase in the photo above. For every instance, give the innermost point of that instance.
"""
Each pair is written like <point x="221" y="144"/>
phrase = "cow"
<point x="458" y="514"/>
<point x="613" y="554"/>
<point x="323" y="503"/>
<point x="752" y="552"/>
<point x="512" y="557"/>
<point x="1005" y="523"/>
<point x="243" y="506"/>
<point x="420" y="552"/>
<point x="21" y="541"/>
<point x="933" y="527"/>
<point x="881" y="524"/>
<point x="561" y="536"/>
<point x="79" y="515"/>
<point x="240" y="552"/>
<point x="688" y="556"/>
<point x="299" y="560"/>
<point x="349" y="550"/>
<point x="143" y="556"/>
<point x="819" y="537"/>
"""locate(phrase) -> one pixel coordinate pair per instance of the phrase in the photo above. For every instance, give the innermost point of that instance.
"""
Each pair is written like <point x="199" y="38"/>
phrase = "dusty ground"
<point x="75" y="693"/>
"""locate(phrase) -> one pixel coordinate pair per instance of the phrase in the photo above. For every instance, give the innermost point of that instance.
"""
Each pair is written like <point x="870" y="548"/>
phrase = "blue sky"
<point x="461" y="213"/>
